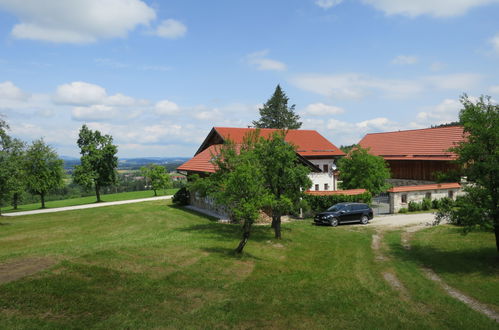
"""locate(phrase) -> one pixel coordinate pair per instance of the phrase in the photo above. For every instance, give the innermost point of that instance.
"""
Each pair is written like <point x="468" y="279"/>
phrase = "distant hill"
<point x="133" y="163"/>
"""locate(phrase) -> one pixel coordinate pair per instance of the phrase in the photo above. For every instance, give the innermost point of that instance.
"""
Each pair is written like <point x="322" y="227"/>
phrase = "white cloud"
<point x="355" y="86"/>
<point x="77" y="21"/>
<point x="326" y="4"/>
<point x="79" y="93"/>
<point x="171" y="29"/>
<point x="458" y="81"/>
<point x="358" y="86"/>
<point x="444" y="112"/>
<point x="342" y="132"/>
<point x="261" y="62"/>
<point x="124" y="101"/>
<point x="495" y="43"/>
<point x="209" y="114"/>
<point x="320" y="109"/>
<point x="166" y="107"/>
<point x="96" y="112"/>
<point x="494" y="90"/>
<point x="405" y="60"/>
<point x="437" y="66"/>
<point x="10" y="91"/>
<point x="83" y="93"/>
<point x="439" y="8"/>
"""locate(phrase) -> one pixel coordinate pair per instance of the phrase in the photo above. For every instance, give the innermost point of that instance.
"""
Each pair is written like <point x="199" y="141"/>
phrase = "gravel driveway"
<point x="402" y="220"/>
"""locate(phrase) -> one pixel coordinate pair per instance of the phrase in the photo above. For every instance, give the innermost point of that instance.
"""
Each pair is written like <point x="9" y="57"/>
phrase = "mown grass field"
<point x="152" y="265"/>
<point x="91" y="199"/>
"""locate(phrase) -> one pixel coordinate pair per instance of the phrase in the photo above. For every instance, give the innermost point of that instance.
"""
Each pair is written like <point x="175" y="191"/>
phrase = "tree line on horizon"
<point x="38" y="169"/>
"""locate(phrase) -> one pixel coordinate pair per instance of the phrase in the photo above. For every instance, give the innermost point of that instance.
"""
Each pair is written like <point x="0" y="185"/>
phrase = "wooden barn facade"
<point x="416" y="154"/>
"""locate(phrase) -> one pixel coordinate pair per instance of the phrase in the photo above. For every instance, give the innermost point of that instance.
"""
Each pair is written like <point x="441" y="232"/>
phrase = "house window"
<point x="451" y="194"/>
<point x="326" y="186"/>
<point x="428" y="195"/>
<point x="316" y="187"/>
<point x="404" y="198"/>
<point x="325" y="168"/>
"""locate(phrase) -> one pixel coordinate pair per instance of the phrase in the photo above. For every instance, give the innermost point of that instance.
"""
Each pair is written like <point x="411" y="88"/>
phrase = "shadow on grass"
<point x="199" y="214"/>
<point x="228" y="252"/>
<point x="231" y="232"/>
<point x="484" y="261"/>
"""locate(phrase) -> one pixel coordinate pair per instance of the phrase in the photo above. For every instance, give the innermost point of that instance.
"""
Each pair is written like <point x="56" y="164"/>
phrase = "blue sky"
<point x="157" y="75"/>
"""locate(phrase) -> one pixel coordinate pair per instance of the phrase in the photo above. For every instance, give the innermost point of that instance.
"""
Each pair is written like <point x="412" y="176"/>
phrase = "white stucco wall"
<point x="418" y="196"/>
<point x="324" y="177"/>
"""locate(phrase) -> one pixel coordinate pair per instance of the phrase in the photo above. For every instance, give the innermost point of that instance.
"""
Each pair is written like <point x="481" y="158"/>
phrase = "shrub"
<point x="426" y="204"/>
<point x="403" y="210"/>
<point x="182" y="197"/>
<point x="319" y="203"/>
<point x="446" y="201"/>
<point x="414" y="206"/>
<point x="435" y="204"/>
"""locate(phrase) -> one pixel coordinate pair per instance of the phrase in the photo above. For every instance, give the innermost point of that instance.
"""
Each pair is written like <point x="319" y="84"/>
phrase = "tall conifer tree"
<point x="276" y="113"/>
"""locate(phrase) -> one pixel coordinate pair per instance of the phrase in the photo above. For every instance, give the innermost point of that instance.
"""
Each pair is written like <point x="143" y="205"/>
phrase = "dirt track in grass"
<point x="16" y="269"/>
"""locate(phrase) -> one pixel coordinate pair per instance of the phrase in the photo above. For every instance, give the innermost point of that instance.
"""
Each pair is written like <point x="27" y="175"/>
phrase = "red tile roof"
<point x="419" y="144"/>
<point x="348" y="192"/>
<point x="426" y="187"/>
<point x="309" y="143"/>
<point x="202" y="161"/>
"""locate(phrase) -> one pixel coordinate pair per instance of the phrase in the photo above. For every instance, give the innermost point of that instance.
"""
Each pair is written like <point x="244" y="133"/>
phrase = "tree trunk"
<point x="246" y="235"/>
<point x="276" y="224"/>
<point x="15" y="200"/>
<point x="155" y="194"/>
<point x="42" y="197"/>
<point x="496" y="232"/>
<point x="97" y="193"/>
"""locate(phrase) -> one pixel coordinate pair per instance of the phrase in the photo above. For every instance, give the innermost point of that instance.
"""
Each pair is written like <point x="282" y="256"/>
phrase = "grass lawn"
<point x="469" y="262"/>
<point x="91" y="199"/>
<point x="152" y="265"/>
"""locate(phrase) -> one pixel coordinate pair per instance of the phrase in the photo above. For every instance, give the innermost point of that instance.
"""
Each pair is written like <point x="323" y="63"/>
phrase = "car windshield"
<point x="336" y="208"/>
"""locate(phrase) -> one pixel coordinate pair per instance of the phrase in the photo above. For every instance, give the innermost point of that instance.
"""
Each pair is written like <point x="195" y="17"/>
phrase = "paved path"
<point x="86" y="206"/>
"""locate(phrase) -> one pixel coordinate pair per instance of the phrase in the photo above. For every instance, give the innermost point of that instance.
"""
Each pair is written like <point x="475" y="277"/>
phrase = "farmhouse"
<point x="312" y="149"/>
<point x="418" y="154"/>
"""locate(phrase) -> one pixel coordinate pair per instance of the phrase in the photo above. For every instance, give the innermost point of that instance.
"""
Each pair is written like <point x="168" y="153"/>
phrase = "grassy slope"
<point x="92" y="199"/>
<point x="151" y="265"/>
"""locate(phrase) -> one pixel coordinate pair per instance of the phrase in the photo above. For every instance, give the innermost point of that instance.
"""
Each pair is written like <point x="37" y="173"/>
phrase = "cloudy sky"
<point x="157" y="75"/>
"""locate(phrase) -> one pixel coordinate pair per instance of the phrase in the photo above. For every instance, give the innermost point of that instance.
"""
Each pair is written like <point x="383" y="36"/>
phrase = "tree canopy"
<point x="276" y="113"/>
<point x="157" y="176"/>
<point x="359" y="169"/>
<point x="98" y="160"/>
<point x="43" y="169"/>
<point x="479" y="158"/>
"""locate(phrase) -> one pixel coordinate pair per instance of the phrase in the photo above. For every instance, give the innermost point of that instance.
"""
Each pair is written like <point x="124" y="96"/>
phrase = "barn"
<point x="416" y="155"/>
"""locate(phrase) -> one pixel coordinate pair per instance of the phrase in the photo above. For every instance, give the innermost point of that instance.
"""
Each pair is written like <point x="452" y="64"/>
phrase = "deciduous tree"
<point x="157" y="177"/>
<point x="238" y="185"/>
<point x="276" y="113"/>
<point x="359" y="169"/>
<point x="284" y="177"/>
<point x="98" y="160"/>
<point x="43" y="169"/>
<point x="479" y="158"/>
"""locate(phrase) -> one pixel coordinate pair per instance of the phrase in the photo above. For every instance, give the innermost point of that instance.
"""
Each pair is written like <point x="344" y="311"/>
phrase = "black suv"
<point x="345" y="213"/>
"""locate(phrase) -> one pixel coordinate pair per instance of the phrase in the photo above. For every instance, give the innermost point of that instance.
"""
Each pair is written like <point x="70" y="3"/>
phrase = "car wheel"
<point x="364" y="220"/>
<point x="334" y="222"/>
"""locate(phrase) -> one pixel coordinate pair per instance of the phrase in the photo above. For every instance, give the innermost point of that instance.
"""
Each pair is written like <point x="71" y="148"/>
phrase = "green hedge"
<point x="319" y="203"/>
<point x="182" y="197"/>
